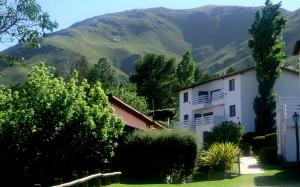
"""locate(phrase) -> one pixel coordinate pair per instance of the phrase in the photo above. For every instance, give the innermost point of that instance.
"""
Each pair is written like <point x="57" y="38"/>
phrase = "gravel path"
<point x="249" y="165"/>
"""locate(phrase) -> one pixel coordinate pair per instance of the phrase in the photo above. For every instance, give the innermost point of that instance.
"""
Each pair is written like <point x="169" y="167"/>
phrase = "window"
<point x="197" y="116"/>
<point x="186" y="97"/>
<point x="208" y="114"/>
<point x="232" y="110"/>
<point x="186" y="117"/>
<point x="211" y="93"/>
<point x="200" y="93"/>
<point x="231" y="85"/>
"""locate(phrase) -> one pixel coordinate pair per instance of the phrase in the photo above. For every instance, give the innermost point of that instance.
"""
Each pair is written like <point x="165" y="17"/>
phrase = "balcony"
<point x="186" y="124"/>
<point x="217" y="97"/>
<point x="209" y="120"/>
<point x="201" y="101"/>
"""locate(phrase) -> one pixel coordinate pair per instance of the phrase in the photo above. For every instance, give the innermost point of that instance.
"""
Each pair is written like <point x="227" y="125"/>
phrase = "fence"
<point x="95" y="180"/>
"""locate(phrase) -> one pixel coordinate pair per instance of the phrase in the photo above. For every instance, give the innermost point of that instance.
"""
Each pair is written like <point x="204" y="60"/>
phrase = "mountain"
<point x="217" y="36"/>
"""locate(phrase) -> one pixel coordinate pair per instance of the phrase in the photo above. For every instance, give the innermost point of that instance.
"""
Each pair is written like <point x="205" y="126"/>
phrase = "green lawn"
<point x="288" y="178"/>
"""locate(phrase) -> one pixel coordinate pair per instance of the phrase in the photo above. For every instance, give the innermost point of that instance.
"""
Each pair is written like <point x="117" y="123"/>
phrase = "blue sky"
<point x="67" y="12"/>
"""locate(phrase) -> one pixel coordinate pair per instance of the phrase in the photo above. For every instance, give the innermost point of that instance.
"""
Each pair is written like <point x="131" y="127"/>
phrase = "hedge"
<point x="268" y="155"/>
<point x="258" y="144"/>
<point x="269" y="140"/>
<point x="159" y="155"/>
<point x="227" y="131"/>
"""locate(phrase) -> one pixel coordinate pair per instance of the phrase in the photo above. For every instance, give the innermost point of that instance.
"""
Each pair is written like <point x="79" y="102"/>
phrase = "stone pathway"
<point x="249" y="165"/>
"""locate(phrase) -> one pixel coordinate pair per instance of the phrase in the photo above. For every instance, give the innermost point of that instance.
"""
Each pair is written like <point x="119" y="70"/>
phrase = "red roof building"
<point x="133" y="118"/>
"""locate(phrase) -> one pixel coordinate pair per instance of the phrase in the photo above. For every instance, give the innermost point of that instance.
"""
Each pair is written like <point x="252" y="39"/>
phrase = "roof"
<point x="114" y="100"/>
<point x="296" y="48"/>
<point x="232" y="74"/>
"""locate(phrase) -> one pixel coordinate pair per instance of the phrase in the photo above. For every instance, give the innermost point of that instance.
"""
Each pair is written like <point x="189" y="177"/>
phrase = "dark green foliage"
<point x="24" y="21"/>
<point x="271" y="139"/>
<point x="155" y="77"/>
<point x="248" y="137"/>
<point x="186" y="70"/>
<point x="267" y="49"/>
<point x="268" y="155"/>
<point x="163" y="114"/>
<point x="50" y="128"/>
<point x="230" y="70"/>
<point x="247" y="142"/>
<point x="258" y="144"/>
<point x="74" y="62"/>
<point x="159" y="155"/>
<point x="105" y="73"/>
<point x="201" y="75"/>
<point x="227" y="131"/>
<point x="128" y="94"/>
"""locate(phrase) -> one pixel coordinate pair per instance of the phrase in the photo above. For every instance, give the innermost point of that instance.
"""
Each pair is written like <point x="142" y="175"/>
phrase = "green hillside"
<point x="217" y="36"/>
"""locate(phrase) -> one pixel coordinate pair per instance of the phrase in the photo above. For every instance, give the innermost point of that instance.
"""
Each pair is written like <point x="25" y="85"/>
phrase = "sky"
<point x="67" y="12"/>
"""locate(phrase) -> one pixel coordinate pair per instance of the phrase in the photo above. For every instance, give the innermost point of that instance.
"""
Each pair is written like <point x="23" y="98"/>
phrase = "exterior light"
<point x="296" y="117"/>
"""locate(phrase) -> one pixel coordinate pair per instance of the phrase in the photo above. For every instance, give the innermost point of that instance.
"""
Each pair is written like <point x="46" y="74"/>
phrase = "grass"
<point x="274" y="177"/>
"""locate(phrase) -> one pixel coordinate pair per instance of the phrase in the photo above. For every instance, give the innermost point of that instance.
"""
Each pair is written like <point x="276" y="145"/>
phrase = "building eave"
<point x="232" y="74"/>
<point x="118" y="102"/>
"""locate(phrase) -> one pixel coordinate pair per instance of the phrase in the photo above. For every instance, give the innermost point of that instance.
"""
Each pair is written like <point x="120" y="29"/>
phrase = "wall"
<point x="233" y="98"/>
<point x="185" y="108"/>
<point x="249" y="90"/>
<point x="287" y="85"/>
<point x="130" y="119"/>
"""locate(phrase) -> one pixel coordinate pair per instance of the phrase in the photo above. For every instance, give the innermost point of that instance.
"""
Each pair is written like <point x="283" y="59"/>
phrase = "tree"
<point x="129" y="95"/>
<point x="201" y="75"/>
<point x="105" y="73"/>
<point x="185" y="70"/>
<point x="51" y="128"/>
<point x="24" y="21"/>
<point x="154" y="77"/>
<point x="267" y="49"/>
<point x="74" y="62"/>
<point x="230" y="70"/>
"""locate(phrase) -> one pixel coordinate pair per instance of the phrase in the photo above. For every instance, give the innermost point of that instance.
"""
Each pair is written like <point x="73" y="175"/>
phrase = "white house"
<point x="229" y="97"/>
<point x="286" y="139"/>
<point x="286" y="107"/>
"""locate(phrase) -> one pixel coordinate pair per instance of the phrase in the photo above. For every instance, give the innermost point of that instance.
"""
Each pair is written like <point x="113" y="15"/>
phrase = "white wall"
<point x="185" y="108"/>
<point x="233" y="98"/>
<point x="210" y="86"/>
<point x="249" y="90"/>
<point x="287" y="85"/>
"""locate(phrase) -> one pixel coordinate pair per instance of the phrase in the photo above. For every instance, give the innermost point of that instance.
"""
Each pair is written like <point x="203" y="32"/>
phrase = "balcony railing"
<point x="203" y="99"/>
<point x="186" y="124"/>
<point x="218" y="95"/>
<point x="209" y="120"/>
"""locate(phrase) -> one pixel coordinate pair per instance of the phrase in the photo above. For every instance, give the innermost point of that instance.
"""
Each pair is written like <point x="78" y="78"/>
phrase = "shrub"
<point x="159" y="155"/>
<point x="227" y="131"/>
<point x="248" y="137"/>
<point x="220" y="157"/>
<point x="51" y="128"/>
<point x="258" y="144"/>
<point x="271" y="140"/>
<point x="268" y="155"/>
